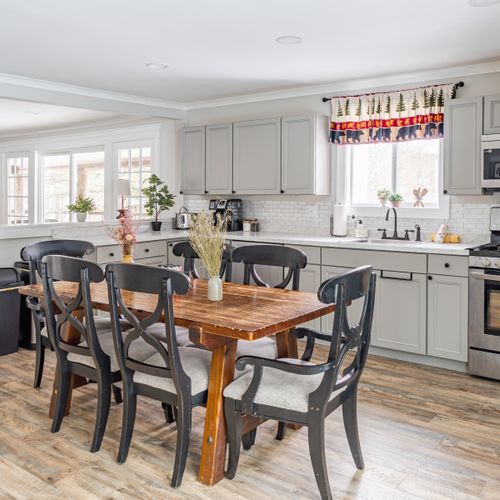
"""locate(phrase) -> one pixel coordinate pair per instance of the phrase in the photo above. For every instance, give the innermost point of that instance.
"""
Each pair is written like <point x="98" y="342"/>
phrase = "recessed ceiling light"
<point x="482" y="3"/>
<point x="32" y="112"/>
<point x="289" y="40"/>
<point x="153" y="65"/>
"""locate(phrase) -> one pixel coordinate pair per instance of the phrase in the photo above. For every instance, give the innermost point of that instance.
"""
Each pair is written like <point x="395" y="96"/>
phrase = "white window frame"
<point x="343" y="192"/>
<point x="4" y="187"/>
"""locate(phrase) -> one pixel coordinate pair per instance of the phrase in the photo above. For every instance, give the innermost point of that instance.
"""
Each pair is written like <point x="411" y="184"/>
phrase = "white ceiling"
<point x="226" y="48"/>
<point x="19" y="116"/>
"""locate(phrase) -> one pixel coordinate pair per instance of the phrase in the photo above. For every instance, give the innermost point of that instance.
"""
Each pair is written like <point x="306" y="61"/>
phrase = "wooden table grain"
<point x="245" y="313"/>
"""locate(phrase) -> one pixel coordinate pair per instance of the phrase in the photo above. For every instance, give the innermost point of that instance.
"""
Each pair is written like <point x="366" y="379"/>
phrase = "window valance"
<point x="390" y="116"/>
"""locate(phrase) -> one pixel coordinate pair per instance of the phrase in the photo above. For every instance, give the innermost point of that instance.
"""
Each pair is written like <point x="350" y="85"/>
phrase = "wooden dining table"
<point x="245" y="313"/>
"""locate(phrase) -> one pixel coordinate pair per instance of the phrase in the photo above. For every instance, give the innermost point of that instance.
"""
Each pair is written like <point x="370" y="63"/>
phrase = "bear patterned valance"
<point x="390" y="116"/>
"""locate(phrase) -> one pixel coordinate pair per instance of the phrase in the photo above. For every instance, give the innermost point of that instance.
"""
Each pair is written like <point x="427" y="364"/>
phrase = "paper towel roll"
<point x="339" y="220"/>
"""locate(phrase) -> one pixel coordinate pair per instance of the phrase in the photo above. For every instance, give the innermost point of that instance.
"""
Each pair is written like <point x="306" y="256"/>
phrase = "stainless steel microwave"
<point x="490" y="165"/>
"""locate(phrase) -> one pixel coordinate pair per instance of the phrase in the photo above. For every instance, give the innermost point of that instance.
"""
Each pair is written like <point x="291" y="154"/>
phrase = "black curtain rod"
<point x="326" y="99"/>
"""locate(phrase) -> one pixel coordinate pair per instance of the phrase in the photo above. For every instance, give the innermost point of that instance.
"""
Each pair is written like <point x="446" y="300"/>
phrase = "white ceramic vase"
<point x="215" y="288"/>
<point x="81" y="216"/>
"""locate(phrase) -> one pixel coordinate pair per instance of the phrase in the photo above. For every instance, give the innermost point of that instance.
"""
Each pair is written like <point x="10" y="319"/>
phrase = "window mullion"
<point x="394" y="174"/>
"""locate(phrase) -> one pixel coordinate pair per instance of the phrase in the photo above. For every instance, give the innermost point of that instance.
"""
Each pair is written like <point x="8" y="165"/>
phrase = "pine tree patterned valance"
<point x="391" y="116"/>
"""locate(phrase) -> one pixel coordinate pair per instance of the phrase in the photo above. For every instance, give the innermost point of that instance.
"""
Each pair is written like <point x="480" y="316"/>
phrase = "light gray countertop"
<point x="311" y="240"/>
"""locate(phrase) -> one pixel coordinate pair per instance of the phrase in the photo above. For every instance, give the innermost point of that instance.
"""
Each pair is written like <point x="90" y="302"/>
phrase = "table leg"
<point x="213" y="451"/>
<point x="286" y="344"/>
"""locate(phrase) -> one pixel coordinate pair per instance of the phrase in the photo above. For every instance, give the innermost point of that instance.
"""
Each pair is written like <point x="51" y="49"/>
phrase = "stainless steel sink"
<point x="376" y="241"/>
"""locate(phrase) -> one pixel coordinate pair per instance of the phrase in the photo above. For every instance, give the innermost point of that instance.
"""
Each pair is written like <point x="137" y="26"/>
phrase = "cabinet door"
<point x="462" y="146"/>
<point x="193" y="160"/>
<point x="219" y="161"/>
<point x="400" y="312"/>
<point x="492" y="114"/>
<point x="257" y="156"/>
<point x="353" y="311"/>
<point x="447" y="317"/>
<point x="298" y="155"/>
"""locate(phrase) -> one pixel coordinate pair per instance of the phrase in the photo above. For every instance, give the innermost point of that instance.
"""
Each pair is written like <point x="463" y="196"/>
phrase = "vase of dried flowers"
<point x="208" y="240"/>
<point x="125" y="234"/>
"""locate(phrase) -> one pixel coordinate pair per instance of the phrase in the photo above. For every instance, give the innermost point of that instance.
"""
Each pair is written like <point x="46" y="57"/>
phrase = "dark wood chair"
<point x="300" y="392"/>
<point x="93" y="358"/>
<point x="185" y="250"/>
<point x="32" y="255"/>
<point x="175" y="376"/>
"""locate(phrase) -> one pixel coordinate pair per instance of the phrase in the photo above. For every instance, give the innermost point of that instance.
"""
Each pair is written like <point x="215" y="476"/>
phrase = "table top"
<point x="246" y="312"/>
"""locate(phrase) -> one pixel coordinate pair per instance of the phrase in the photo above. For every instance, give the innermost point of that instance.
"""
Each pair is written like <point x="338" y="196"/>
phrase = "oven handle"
<point x="485" y="277"/>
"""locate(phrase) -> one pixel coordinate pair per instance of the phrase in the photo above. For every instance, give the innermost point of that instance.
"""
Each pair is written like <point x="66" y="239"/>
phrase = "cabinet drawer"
<point x="390" y="261"/>
<point x="313" y="253"/>
<point x="109" y="253"/>
<point x="149" y="249"/>
<point x="448" y="265"/>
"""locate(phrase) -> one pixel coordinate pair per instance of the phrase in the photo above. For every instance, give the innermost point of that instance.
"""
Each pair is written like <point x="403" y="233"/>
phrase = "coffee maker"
<point x="232" y="210"/>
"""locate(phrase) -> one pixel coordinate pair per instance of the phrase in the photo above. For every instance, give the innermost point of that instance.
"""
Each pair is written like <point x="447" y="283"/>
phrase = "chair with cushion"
<point x="175" y="376"/>
<point x="94" y="357"/>
<point x="300" y="392"/>
<point x="32" y="255"/>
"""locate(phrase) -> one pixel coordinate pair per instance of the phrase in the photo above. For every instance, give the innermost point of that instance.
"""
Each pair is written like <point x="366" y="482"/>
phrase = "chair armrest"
<point x="33" y="304"/>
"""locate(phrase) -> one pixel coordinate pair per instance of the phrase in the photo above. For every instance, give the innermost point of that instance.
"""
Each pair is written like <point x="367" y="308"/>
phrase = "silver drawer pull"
<point x="485" y="277"/>
<point x="410" y="278"/>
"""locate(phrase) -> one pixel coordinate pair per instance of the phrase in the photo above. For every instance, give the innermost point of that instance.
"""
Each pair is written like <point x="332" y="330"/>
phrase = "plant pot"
<point x="156" y="225"/>
<point x="382" y="201"/>
<point x="215" y="288"/>
<point x="395" y="204"/>
<point x="81" y="216"/>
<point x="127" y="255"/>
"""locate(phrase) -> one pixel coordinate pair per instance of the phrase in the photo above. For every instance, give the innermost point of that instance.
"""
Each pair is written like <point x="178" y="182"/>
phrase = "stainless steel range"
<point x="484" y="304"/>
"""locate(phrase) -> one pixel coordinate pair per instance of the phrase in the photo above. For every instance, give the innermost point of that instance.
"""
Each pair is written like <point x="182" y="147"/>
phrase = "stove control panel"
<point x="484" y="262"/>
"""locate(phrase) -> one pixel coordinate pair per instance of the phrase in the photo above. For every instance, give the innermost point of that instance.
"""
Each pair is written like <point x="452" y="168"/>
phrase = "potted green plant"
<point x="159" y="199"/>
<point x="395" y="199"/>
<point x="382" y="195"/>
<point x="81" y="207"/>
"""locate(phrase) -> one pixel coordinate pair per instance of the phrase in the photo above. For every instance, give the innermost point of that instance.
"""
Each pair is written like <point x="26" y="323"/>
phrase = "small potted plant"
<point x="395" y="199"/>
<point x="81" y="207"/>
<point x="125" y="234"/>
<point x="159" y="199"/>
<point x="382" y="195"/>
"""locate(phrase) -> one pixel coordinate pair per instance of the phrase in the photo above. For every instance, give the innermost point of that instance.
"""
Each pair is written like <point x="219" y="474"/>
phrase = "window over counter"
<point x="66" y="175"/>
<point x="412" y="169"/>
<point x="18" y="189"/>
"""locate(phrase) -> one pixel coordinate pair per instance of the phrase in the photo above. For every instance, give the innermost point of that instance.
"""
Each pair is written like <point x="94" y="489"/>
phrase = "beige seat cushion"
<point x="263" y="348"/>
<point x="289" y="391"/>
<point x="157" y="330"/>
<point x="195" y="362"/>
<point x="139" y="350"/>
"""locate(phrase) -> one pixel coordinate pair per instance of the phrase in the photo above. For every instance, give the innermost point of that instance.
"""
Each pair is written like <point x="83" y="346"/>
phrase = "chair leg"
<point x="40" y="360"/>
<point x="117" y="394"/>
<point x="248" y="439"/>
<point x="63" y="388"/>
<point x="169" y="413"/>
<point x="128" y="420"/>
<point x="350" y="415"/>
<point x="183" y="437"/>
<point x="103" y="404"/>
<point x="280" y="434"/>
<point x="234" y="425"/>
<point x="316" y="434"/>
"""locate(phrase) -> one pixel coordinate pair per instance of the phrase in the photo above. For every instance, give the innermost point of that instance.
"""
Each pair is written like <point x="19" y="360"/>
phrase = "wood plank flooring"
<point x="425" y="433"/>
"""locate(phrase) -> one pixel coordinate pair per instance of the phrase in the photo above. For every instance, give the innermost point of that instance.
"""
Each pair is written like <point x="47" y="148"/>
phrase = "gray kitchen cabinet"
<point x="305" y="161"/>
<point x="447" y="316"/>
<point x="145" y="252"/>
<point x="193" y="160"/>
<point x="400" y="312"/>
<point x="310" y="280"/>
<point x="492" y="114"/>
<point x="462" y="146"/>
<point x="257" y="156"/>
<point x="219" y="159"/>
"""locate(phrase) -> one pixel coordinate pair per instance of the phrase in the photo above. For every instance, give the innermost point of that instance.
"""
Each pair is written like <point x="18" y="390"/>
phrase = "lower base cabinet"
<point x="310" y="280"/>
<point x="447" y="316"/>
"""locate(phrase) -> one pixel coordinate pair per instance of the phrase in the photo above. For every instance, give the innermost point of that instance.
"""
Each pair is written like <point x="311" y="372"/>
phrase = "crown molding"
<point x="352" y="85"/>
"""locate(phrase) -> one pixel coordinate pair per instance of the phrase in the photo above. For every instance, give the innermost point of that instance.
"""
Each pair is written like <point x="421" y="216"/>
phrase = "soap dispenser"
<point x="361" y="231"/>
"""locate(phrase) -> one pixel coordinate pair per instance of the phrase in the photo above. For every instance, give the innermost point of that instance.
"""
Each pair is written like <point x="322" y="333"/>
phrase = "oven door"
<point x="490" y="152"/>
<point x="484" y="309"/>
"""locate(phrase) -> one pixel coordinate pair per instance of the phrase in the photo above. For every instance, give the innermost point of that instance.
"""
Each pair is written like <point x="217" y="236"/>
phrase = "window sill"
<point x="442" y="212"/>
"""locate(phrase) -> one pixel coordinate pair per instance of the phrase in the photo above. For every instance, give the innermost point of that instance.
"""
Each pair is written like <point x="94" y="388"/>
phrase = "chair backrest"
<point x="126" y="278"/>
<point x="357" y="284"/>
<point x="35" y="252"/>
<point x="63" y="313"/>
<point x="273" y="256"/>
<point x="185" y="250"/>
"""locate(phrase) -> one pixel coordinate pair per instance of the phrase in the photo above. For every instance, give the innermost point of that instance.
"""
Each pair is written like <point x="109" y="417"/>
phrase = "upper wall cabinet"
<point x="305" y="155"/>
<point x="492" y="114"/>
<point x="257" y="156"/>
<point x="462" y="146"/>
<point x="193" y="171"/>
<point x="219" y="159"/>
